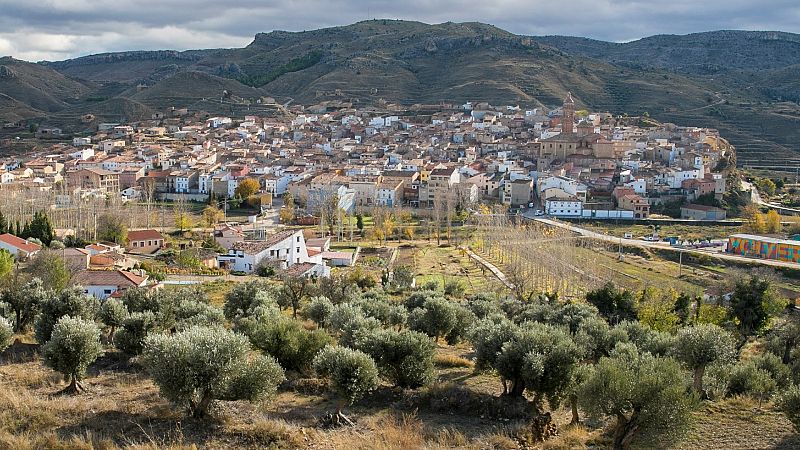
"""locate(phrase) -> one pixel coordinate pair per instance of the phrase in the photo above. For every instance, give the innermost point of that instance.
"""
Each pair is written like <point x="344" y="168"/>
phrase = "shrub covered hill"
<point x="685" y="79"/>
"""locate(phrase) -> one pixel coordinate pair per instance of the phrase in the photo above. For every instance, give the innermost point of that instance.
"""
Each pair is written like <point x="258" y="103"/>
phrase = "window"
<point x="298" y="238"/>
<point x="298" y="250"/>
<point x="107" y="291"/>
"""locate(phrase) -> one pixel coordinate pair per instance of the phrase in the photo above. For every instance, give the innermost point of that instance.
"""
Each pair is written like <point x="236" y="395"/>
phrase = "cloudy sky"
<point x="59" y="29"/>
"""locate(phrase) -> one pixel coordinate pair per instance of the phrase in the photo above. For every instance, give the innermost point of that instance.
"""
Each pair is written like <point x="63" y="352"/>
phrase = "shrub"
<point x="135" y="328"/>
<point x="245" y="298"/>
<point x="352" y="373"/>
<point x="319" y="310"/>
<point x="464" y="321"/>
<point x="190" y="313"/>
<point x="418" y="298"/>
<point x="112" y="313"/>
<point x="789" y="404"/>
<point x="777" y="370"/>
<point x="404" y="357"/>
<point x="26" y="302"/>
<point x="747" y="378"/>
<point x="482" y="306"/>
<point x="403" y="276"/>
<point x="287" y="341"/>
<point x="195" y="367"/>
<point x="436" y="318"/>
<point x="138" y="299"/>
<point x="454" y="288"/>
<point x="70" y="302"/>
<point x="74" y="344"/>
<point x="6" y="333"/>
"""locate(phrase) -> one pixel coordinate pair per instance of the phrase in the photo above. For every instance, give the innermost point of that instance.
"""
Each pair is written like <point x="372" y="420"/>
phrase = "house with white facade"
<point x="104" y="283"/>
<point x="18" y="247"/>
<point x="282" y="250"/>
<point x="563" y="208"/>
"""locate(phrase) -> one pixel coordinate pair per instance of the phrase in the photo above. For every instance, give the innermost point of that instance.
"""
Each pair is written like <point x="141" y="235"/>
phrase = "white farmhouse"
<point x="283" y="250"/>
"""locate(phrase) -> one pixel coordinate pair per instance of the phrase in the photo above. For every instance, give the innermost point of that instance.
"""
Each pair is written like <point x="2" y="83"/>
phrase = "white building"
<point x="104" y="283"/>
<point x="563" y="208"/>
<point x="283" y="250"/>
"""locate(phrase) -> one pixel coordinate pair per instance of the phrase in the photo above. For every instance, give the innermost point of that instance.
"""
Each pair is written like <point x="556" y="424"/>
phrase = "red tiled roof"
<point x="142" y="235"/>
<point x="19" y="243"/>
<point x="118" y="278"/>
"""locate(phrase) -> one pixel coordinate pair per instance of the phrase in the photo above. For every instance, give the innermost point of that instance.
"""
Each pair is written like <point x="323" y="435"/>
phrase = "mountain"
<point x="27" y="88"/>
<point x="735" y="81"/>
<point x="757" y="72"/>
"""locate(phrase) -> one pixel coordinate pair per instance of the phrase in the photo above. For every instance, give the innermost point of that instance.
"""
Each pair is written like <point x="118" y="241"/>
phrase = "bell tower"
<point x="568" y="115"/>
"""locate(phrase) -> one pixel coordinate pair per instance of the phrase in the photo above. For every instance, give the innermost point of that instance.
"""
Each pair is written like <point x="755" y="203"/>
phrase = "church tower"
<point x="568" y="115"/>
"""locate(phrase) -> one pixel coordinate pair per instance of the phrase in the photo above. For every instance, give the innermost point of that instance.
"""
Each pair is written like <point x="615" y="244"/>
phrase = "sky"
<point x="61" y="29"/>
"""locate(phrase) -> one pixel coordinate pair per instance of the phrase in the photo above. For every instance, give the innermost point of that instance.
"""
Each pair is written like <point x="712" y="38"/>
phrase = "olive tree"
<point x="789" y="404"/>
<point x="701" y="345"/>
<point x="70" y="302"/>
<point x="200" y="365"/>
<point x="6" y="333"/>
<point x="112" y="313"/>
<point x="287" y="341"/>
<point x="597" y="338"/>
<point x="319" y="310"/>
<point x="189" y="313"/>
<point x="436" y="318"/>
<point x="488" y="337"/>
<point x="26" y="302"/>
<point x="245" y="298"/>
<point x="404" y="357"/>
<point x="352" y="373"/>
<point x="640" y="391"/>
<point x="539" y="358"/>
<point x="136" y="327"/>
<point x="73" y="345"/>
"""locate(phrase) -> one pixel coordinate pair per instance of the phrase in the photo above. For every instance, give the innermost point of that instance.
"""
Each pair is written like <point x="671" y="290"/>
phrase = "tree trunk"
<point x="517" y="388"/>
<point x="573" y="403"/>
<point x="624" y="432"/>
<point x="697" y="382"/>
<point x="111" y="334"/>
<point x="201" y="409"/>
<point x="74" y="388"/>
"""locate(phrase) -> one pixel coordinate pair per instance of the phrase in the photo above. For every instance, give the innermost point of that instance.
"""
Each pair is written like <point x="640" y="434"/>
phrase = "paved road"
<point x="662" y="245"/>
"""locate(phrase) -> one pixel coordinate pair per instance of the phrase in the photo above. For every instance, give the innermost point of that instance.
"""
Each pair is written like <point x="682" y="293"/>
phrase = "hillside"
<point x="37" y="86"/>
<point x="693" y="79"/>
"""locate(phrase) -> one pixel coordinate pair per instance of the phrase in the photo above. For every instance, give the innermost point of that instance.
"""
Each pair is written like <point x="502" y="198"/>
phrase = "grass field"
<point x="447" y="263"/>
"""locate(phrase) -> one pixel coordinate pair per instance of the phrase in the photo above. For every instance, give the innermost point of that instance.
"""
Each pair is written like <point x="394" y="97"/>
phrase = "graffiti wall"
<point x="788" y="252"/>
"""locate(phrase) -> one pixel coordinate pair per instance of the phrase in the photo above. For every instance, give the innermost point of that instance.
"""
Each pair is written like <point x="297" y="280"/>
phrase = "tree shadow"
<point x="20" y="352"/>
<point x="127" y="429"/>
<point x="790" y="442"/>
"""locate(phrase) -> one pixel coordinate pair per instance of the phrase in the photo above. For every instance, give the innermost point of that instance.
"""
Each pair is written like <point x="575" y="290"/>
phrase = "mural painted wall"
<point x="767" y="250"/>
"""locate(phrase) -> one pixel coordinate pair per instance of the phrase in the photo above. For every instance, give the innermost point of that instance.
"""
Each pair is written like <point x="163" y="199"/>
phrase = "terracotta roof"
<point x="19" y="243"/>
<point x="142" y="235"/>
<point x="119" y="278"/>
<point x="300" y="269"/>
